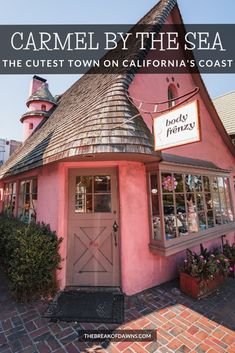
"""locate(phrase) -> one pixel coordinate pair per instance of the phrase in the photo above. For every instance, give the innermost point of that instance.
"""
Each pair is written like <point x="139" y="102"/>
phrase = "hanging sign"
<point x="177" y="127"/>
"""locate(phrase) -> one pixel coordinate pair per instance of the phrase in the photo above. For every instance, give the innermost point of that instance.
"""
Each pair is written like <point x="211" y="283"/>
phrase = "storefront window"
<point x="155" y="214"/>
<point x="191" y="204"/>
<point x="169" y="183"/>
<point x="194" y="203"/>
<point x="93" y="194"/>
<point x="27" y="209"/>
<point x="187" y="207"/>
<point x="230" y="217"/>
<point x="9" y="198"/>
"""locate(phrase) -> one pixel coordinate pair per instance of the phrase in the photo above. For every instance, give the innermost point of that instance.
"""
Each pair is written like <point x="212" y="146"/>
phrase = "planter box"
<point x="196" y="288"/>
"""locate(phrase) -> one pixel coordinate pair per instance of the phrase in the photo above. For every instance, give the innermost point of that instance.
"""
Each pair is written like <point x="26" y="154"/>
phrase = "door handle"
<point x="115" y="229"/>
<point x="115" y="226"/>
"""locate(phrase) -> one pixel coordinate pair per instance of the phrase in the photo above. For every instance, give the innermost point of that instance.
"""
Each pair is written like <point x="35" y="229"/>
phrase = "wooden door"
<point x="93" y="241"/>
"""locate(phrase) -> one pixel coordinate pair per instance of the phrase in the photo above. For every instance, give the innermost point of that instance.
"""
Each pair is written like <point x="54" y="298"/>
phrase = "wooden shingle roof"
<point x="87" y="118"/>
<point x="225" y="106"/>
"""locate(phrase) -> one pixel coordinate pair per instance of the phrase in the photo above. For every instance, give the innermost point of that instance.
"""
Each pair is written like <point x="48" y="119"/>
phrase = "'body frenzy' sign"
<point x="177" y="127"/>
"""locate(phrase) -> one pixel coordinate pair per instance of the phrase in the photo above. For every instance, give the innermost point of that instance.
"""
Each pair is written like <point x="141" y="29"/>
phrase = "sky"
<point x="15" y="88"/>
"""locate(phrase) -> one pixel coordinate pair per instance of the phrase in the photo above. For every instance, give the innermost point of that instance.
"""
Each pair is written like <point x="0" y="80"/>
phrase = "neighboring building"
<point x="7" y="147"/>
<point x="95" y="178"/>
<point x="225" y="106"/>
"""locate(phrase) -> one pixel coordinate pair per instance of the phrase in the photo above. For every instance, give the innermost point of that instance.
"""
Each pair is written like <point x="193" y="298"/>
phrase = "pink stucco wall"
<point x="37" y="105"/>
<point x="50" y="207"/>
<point x="35" y="120"/>
<point x="211" y="147"/>
<point x="48" y="194"/>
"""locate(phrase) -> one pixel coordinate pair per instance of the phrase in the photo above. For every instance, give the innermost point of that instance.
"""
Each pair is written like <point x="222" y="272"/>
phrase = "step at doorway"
<point x="88" y="304"/>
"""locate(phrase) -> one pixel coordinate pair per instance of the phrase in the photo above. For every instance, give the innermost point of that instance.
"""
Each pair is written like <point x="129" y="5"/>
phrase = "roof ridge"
<point x="223" y="95"/>
<point x="169" y="3"/>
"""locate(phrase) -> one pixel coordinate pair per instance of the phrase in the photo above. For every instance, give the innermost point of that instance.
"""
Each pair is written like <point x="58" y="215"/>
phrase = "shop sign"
<point x="177" y="127"/>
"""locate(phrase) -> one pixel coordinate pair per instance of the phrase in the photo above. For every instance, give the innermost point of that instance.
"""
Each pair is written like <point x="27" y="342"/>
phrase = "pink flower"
<point x="169" y="183"/>
<point x="231" y="268"/>
<point x="185" y="261"/>
<point x="212" y="255"/>
<point x="218" y="261"/>
<point x="201" y="257"/>
<point x="226" y="260"/>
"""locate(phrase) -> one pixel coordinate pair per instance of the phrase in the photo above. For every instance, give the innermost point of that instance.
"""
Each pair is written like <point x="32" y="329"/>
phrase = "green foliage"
<point x="30" y="255"/>
<point x="229" y="251"/>
<point x="206" y="265"/>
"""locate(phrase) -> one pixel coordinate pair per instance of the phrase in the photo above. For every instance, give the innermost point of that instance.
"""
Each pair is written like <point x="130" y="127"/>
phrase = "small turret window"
<point x="43" y="107"/>
<point x="172" y="94"/>
<point x="31" y="126"/>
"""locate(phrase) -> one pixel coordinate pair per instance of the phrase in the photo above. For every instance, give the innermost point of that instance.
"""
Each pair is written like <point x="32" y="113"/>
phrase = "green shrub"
<point x="8" y="226"/>
<point x="30" y="255"/>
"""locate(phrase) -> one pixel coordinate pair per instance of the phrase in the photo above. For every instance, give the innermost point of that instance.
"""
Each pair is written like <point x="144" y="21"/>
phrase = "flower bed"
<point x="203" y="273"/>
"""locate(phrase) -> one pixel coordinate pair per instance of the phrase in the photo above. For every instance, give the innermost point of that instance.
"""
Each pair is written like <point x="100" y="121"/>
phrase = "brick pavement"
<point x="183" y="324"/>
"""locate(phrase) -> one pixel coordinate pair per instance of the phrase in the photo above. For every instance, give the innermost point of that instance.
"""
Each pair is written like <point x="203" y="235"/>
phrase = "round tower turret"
<point x="39" y="103"/>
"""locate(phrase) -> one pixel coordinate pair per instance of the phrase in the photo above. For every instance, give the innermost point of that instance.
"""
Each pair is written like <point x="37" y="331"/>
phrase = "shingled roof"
<point x="225" y="106"/>
<point x="85" y="121"/>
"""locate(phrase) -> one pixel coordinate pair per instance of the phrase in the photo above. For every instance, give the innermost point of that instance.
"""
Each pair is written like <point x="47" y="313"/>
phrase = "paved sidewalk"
<point x="183" y="324"/>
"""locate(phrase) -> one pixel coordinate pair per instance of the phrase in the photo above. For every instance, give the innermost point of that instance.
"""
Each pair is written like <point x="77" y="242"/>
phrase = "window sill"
<point x="181" y="244"/>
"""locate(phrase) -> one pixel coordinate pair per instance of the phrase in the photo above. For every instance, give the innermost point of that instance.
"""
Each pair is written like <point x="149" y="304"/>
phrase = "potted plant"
<point x="229" y="252"/>
<point x="203" y="273"/>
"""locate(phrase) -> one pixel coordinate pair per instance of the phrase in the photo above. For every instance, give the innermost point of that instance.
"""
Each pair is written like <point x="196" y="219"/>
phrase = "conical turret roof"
<point x="42" y="94"/>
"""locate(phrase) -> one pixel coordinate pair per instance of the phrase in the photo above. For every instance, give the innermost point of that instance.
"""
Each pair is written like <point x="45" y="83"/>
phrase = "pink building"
<point x="101" y="186"/>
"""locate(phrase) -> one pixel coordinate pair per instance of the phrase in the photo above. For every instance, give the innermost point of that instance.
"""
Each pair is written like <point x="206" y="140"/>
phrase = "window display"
<point x="190" y="204"/>
<point x="27" y="207"/>
<point x="155" y="211"/>
<point x="9" y="198"/>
